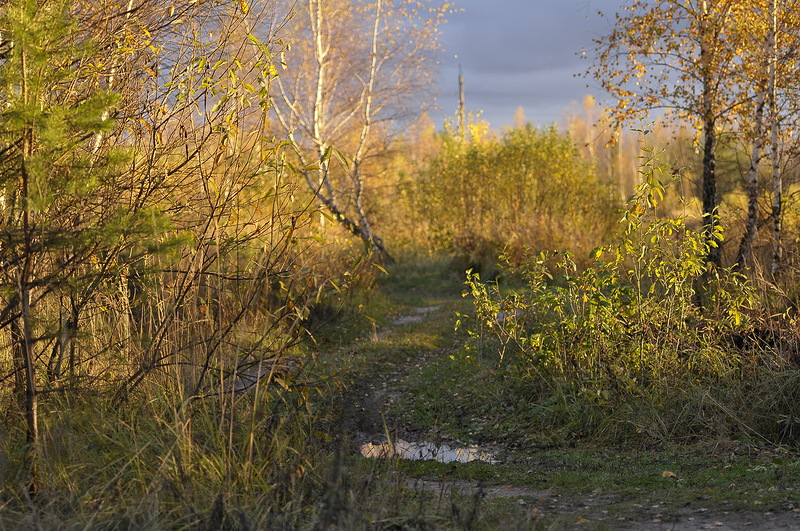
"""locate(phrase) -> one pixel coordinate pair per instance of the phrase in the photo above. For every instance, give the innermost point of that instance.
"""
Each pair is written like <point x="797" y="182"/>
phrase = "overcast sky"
<point x="520" y="52"/>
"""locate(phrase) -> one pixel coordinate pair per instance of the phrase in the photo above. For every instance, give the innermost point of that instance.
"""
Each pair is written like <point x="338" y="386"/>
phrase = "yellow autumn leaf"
<point x="668" y="474"/>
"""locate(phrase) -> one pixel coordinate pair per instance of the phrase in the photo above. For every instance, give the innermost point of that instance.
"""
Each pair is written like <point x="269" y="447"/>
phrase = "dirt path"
<point x="379" y="387"/>
<point x="595" y="512"/>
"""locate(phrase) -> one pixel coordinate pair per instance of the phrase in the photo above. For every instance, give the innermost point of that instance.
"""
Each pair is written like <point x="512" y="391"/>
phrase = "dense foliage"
<point x="153" y="249"/>
<point x="525" y="188"/>
<point x="648" y="327"/>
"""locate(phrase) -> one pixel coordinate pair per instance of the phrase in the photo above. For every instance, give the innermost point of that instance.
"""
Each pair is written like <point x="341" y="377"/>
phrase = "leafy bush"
<point x="649" y="324"/>
<point x="528" y="187"/>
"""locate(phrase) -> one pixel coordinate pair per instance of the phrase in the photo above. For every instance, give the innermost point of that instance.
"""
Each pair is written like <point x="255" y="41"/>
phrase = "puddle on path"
<point x="426" y="450"/>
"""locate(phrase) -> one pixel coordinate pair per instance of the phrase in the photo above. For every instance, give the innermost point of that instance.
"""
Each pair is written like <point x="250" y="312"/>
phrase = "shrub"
<point x="649" y="326"/>
<point x="526" y="188"/>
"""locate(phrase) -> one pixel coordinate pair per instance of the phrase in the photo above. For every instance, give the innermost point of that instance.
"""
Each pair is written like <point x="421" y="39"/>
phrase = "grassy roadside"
<point x="429" y="388"/>
<point x="288" y="458"/>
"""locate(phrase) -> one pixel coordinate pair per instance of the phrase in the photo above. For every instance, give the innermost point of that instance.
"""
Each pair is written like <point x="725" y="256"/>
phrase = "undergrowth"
<point x="649" y="343"/>
<point x="271" y="459"/>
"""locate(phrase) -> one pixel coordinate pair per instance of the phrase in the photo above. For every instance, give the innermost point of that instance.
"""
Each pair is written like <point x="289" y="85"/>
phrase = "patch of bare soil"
<point x="597" y="511"/>
<point x="723" y="521"/>
<point x="402" y="320"/>
<point x="377" y="391"/>
<point x="419" y="315"/>
<point x="471" y="488"/>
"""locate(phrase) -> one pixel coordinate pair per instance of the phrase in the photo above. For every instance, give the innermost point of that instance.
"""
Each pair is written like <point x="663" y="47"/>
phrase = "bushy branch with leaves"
<point x="647" y="315"/>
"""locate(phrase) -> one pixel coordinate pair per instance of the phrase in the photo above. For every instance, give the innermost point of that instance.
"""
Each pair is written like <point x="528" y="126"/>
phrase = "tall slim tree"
<point x="762" y="51"/>
<point x="355" y="72"/>
<point x="769" y="51"/>
<point x="54" y="214"/>
<point x="678" y="55"/>
<point x="777" y="181"/>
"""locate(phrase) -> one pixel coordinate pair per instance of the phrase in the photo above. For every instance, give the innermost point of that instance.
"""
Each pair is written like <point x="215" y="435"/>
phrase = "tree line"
<point x="726" y="67"/>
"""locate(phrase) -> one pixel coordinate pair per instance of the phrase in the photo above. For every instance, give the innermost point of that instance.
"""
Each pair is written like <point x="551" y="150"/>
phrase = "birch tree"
<point x="768" y="58"/>
<point x="777" y="181"/>
<point x="676" y="54"/>
<point x="356" y="71"/>
<point x="763" y="59"/>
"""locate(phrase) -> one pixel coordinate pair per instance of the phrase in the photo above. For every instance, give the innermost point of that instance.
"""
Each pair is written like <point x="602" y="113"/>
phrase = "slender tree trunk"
<point x="56" y="360"/>
<point x="72" y="331"/>
<point x="26" y="347"/>
<point x="751" y="224"/>
<point x="23" y="290"/>
<point x="777" y="203"/>
<point x="31" y="395"/>
<point x="710" y="221"/>
<point x="358" y="157"/>
<point x="710" y="190"/>
<point x="777" y="181"/>
<point x="20" y="385"/>
<point x="462" y="109"/>
<point x="709" y="158"/>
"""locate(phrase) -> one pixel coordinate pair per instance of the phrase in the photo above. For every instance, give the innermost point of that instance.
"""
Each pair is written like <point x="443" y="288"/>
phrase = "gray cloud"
<point x="520" y="52"/>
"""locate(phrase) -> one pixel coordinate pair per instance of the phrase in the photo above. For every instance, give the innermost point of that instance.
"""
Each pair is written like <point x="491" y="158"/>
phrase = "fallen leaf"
<point x="668" y="474"/>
